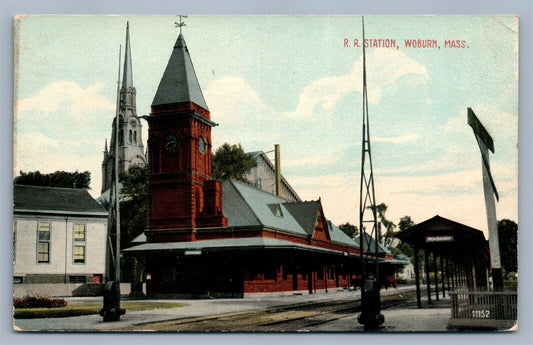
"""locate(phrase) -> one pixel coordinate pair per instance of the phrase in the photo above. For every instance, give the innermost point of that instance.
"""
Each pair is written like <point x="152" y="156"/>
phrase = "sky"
<point x="291" y="80"/>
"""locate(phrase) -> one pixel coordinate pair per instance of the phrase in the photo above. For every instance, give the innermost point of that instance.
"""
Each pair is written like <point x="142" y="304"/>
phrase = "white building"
<point x="408" y="272"/>
<point x="263" y="177"/>
<point x="59" y="240"/>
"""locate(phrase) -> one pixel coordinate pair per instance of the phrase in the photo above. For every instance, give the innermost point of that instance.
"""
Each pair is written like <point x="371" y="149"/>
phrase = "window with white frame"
<point x="43" y="244"/>
<point x="79" y="243"/>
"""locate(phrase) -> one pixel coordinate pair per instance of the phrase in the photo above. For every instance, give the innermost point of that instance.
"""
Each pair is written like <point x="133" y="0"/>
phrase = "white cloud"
<point x="455" y="158"/>
<point x="397" y="140"/>
<point x="456" y="195"/>
<point x="502" y="126"/>
<point x="41" y="141"/>
<point x="462" y="151"/>
<point x="230" y="99"/>
<point x="384" y="67"/>
<point x="311" y="161"/>
<point x="66" y="96"/>
<point x="35" y="151"/>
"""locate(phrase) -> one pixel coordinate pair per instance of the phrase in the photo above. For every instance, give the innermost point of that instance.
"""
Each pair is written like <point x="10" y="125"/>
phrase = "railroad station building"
<point x="213" y="238"/>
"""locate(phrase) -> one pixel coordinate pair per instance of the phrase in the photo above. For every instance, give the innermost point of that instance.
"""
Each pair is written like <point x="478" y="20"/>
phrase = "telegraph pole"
<point x="111" y="310"/>
<point x="370" y="315"/>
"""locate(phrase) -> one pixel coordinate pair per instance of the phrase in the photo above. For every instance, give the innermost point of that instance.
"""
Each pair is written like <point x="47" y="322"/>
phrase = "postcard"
<point x="204" y="173"/>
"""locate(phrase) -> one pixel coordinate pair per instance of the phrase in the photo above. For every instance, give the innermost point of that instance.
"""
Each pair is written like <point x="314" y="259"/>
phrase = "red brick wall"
<point x="182" y="192"/>
<point x="320" y="278"/>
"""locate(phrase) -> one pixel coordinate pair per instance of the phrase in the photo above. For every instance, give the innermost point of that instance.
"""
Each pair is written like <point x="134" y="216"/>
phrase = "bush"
<point x="40" y="313"/>
<point x="39" y="302"/>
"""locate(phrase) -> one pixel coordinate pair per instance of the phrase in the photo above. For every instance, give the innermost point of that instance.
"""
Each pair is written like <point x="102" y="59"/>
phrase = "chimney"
<point x="278" y="171"/>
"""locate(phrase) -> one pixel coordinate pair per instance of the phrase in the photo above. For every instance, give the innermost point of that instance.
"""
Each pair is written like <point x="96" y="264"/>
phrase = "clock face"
<point x="171" y="143"/>
<point x="202" y="145"/>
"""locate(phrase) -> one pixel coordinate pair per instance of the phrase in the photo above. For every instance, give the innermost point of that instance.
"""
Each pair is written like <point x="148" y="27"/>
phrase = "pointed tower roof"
<point x="179" y="82"/>
<point x="127" y="78"/>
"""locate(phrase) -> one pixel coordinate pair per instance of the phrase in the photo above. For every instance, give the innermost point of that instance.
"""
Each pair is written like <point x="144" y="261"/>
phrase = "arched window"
<point x="129" y="137"/>
<point x="135" y="137"/>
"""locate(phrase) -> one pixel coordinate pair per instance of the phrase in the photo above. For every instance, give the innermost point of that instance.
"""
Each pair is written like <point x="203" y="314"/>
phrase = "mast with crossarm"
<point x="370" y="315"/>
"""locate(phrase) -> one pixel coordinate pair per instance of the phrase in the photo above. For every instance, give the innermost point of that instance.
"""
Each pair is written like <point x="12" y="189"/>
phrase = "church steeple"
<point x="127" y="91"/>
<point x="131" y="148"/>
<point x="127" y="78"/>
<point x="179" y="83"/>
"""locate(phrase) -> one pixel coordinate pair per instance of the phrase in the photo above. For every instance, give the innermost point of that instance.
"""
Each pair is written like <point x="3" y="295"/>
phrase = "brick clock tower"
<point x="183" y="195"/>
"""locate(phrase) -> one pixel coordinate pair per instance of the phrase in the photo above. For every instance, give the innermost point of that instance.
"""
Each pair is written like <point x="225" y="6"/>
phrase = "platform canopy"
<point x="232" y="244"/>
<point x="455" y="241"/>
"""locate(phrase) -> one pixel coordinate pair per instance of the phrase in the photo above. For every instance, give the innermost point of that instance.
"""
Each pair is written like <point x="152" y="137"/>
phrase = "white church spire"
<point x="131" y="148"/>
<point x="127" y="78"/>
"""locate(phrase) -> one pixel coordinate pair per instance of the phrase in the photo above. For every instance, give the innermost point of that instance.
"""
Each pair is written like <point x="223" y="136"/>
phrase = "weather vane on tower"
<point x="181" y="23"/>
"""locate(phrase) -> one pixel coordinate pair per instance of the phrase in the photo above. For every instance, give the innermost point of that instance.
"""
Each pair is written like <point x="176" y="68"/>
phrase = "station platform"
<point x="402" y="318"/>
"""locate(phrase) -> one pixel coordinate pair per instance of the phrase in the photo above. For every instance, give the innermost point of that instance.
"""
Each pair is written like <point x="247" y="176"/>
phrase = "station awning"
<point x="247" y="243"/>
<point x="456" y="241"/>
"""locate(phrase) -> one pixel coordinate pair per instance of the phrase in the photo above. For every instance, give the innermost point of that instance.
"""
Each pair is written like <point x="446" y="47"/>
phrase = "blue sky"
<point x="290" y="81"/>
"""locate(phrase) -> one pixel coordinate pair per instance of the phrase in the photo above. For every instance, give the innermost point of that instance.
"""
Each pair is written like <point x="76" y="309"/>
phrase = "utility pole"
<point x="370" y="315"/>
<point x="111" y="310"/>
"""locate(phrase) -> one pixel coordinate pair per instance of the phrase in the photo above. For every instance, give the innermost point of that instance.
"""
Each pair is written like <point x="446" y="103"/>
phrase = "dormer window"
<point x="276" y="210"/>
<point x="279" y="213"/>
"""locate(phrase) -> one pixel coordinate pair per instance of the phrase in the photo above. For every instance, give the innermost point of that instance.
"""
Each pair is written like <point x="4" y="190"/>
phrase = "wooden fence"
<point x="484" y="309"/>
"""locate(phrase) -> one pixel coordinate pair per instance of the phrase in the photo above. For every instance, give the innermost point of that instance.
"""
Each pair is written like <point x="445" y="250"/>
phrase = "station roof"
<point x="179" y="82"/>
<point x="230" y="244"/>
<point x="245" y="205"/>
<point x="450" y="239"/>
<point x="370" y="245"/>
<point x="338" y="236"/>
<point x="249" y="207"/>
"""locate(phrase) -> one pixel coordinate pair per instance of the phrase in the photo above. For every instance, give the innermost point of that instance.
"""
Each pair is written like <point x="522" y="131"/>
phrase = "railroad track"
<point x="289" y="318"/>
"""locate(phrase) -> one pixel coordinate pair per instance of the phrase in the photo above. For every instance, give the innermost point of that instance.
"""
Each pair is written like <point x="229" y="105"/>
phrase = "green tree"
<point x="508" y="240"/>
<point x="134" y="201"/>
<point x="390" y="227"/>
<point x="64" y="179"/>
<point x="349" y="229"/>
<point x="230" y="162"/>
<point x="405" y="223"/>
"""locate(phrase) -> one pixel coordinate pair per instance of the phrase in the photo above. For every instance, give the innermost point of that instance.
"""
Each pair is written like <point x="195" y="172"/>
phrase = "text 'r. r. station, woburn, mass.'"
<point x="407" y="43"/>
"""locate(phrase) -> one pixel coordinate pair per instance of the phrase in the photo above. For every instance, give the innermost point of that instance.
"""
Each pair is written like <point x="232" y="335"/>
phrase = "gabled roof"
<point x="54" y="200"/>
<point x="436" y="226"/>
<point x="248" y="207"/>
<point x="463" y="243"/>
<point x="305" y="213"/>
<point x="244" y="205"/>
<point x="338" y="236"/>
<point x="179" y="82"/>
<point x="370" y="244"/>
